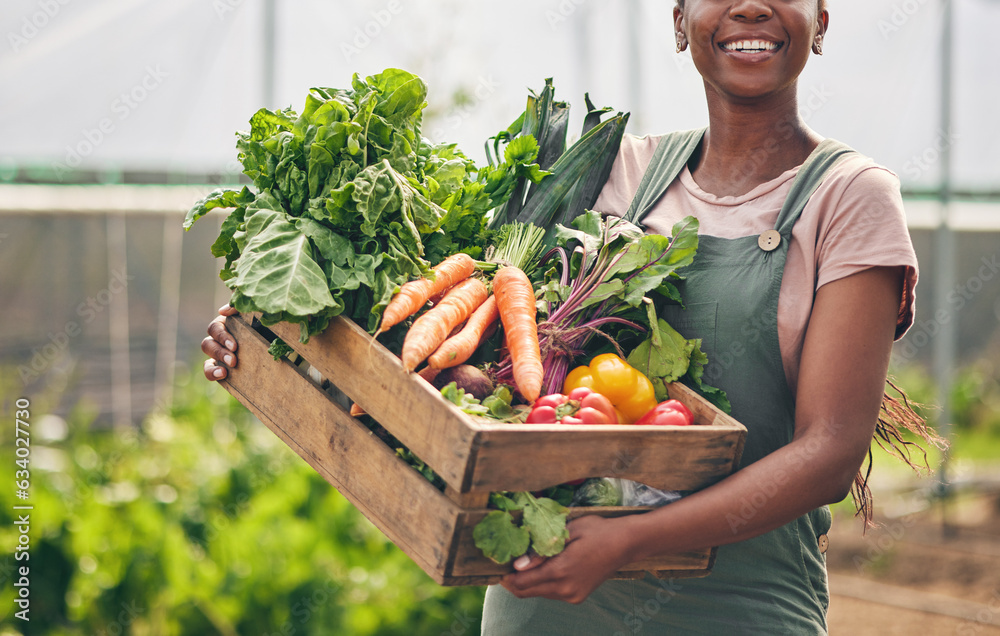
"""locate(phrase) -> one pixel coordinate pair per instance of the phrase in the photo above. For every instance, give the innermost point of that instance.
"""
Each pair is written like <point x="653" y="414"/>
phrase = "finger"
<point x="214" y="350"/>
<point x="214" y="372"/>
<point x="536" y="578"/>
<point x="217" y="330"/>
<point x="227" y="310"/>
<point x="528" y="562"/>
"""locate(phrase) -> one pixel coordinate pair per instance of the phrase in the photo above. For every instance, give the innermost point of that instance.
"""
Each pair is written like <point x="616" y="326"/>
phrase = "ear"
<point x="822" y="24"/>
<point x="679" y="33"/>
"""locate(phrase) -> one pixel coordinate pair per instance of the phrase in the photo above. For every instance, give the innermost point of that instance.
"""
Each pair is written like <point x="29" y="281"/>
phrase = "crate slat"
<point x="470" y="454"/>
<point x="395" y="498"/>
<point x="372" y="376"/>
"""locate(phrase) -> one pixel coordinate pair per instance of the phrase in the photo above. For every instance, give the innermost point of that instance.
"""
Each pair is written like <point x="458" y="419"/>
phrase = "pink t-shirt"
<point x="853" y="221"/>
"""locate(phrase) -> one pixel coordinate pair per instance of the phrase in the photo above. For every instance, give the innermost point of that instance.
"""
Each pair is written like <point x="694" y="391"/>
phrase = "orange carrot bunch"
<point x="449" y="333"/>
<point x="460" y="347"/>
<point x="414" y="294"/>
<point x="433" y="328"/>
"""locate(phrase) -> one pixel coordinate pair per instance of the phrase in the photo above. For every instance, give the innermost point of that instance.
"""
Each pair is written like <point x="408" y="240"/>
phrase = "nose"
<point x="750" y="11"/>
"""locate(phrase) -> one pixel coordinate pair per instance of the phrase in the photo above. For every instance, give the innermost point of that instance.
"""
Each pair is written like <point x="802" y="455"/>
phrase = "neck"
<point x="748" y="144"/>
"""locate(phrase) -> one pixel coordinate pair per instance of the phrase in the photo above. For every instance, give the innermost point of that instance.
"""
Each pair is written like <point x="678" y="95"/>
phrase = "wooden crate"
<point x="472" y="455"/>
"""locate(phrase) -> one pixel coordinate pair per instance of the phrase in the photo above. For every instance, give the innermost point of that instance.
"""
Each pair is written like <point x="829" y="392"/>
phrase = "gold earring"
<point x="818" y="47"/>
<point x="681" y="42"/>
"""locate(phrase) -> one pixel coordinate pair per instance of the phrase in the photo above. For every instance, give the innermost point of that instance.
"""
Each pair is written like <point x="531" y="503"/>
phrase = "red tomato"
<point x="667" y="414"/>
<point x="552" y="399"/>
<point x="680" y="406"/>
<point x="542" y="415"/>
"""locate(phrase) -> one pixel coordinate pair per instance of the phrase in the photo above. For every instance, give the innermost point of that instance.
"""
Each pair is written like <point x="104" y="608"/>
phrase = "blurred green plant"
<point x="203" y="522"/>
<point x="975" y="407"/>
<point x="975" y="417"/>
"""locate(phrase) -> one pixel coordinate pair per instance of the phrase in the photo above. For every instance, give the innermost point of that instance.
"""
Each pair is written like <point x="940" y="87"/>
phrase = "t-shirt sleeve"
<point x="634" y="155"/>
<point x="868" y="229"/>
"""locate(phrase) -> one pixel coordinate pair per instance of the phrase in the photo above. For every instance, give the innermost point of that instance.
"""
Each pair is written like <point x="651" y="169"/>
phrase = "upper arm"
<point x="845" y="358"/>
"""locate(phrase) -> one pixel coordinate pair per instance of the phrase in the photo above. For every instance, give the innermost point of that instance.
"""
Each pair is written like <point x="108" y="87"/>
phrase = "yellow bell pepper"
<point x="629" y="390"/>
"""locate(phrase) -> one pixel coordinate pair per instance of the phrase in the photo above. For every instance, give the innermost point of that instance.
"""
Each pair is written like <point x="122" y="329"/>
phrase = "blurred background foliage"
<point x="202" y="522"/>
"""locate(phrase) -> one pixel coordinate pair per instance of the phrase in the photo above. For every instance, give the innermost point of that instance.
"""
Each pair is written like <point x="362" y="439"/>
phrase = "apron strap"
<point x="669" y="158"/>
<point x="823" y="158"/>
<point x="675" y="150"/>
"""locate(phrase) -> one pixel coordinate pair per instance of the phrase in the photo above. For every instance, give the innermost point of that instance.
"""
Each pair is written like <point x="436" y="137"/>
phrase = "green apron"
<point x="772" y="584"/>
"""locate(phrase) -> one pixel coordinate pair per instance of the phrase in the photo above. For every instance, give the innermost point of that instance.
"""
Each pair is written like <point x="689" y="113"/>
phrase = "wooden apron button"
<point x="769" y="240"/>
<point x="824" y="543"/>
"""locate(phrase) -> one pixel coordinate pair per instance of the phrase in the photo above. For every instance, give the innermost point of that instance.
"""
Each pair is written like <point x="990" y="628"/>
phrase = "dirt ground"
<point x="917" y="575"/>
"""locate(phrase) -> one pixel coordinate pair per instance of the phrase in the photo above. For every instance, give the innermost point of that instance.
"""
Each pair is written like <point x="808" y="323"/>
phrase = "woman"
<point x="804" y="277"/>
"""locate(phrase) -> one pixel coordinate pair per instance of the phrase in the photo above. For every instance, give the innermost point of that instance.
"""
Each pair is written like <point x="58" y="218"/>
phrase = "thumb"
<point x="528" y="562"/>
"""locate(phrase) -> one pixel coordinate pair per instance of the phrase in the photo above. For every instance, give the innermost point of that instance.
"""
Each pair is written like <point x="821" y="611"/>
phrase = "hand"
<point x="214" y="349"/>
<point x="595" y="550"/>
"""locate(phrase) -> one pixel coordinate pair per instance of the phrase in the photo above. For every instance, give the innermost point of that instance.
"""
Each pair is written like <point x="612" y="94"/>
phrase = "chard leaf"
<point x="499" y="403"/>
<point x="684" y="237"/>
<point x="425" y="214"/>
<point x="605" y="291"/>
<point x="278" y="272"/>
<point x="498" y="537"/>
<point x="375" y="193"/>
<point x="219" y="198"/>
<point x="695" y="373"/>
<point x="554" y="292"/>
<point x="224" y="244"/>
<point x="545" y="520"/>
<point x="465" y="401"/>
<point x="505" y="503"/>
<point x="332" y="246"/>
<point x="589" y="232"/>
<point x="449" y="178"/>
<point x="402" y="94"/>
<point x="663" y="363"/>
<point x="279" y="348"/>
<point x="265" y="123"/>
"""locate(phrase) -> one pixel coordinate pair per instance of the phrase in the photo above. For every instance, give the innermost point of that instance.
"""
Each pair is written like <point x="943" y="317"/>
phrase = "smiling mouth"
<point x="751" y="46"/>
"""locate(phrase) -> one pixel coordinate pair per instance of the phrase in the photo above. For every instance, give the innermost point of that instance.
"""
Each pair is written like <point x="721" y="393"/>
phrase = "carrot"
<point x="459" y="348"/>
<point x="432" y="328"/>
<point x="516" y="304"/>
<point x="412" y="295"/>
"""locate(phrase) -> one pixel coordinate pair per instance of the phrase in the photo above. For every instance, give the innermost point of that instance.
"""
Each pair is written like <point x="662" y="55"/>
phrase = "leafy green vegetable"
<point x="695" y="372"/>
<point x="499" y="404"/>
<point x="418" y="465"/>
<point x="599" y="491"/>
<point x="499" y="538"/>
<point x="578" y="173"/>
<point x="464" y="401"/>
<point x="663" y="363"/>
<point x="666" y="356"/>
<point x="349" y="202"/>
<point x="542" y="528"/>
<point x="600" y="289"/>
<point x="546" y="521"/>
<point x="279" y="348"/>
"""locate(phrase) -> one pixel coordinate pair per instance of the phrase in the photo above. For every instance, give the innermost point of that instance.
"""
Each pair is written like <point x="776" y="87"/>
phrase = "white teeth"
<point x="750" y="45"/>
